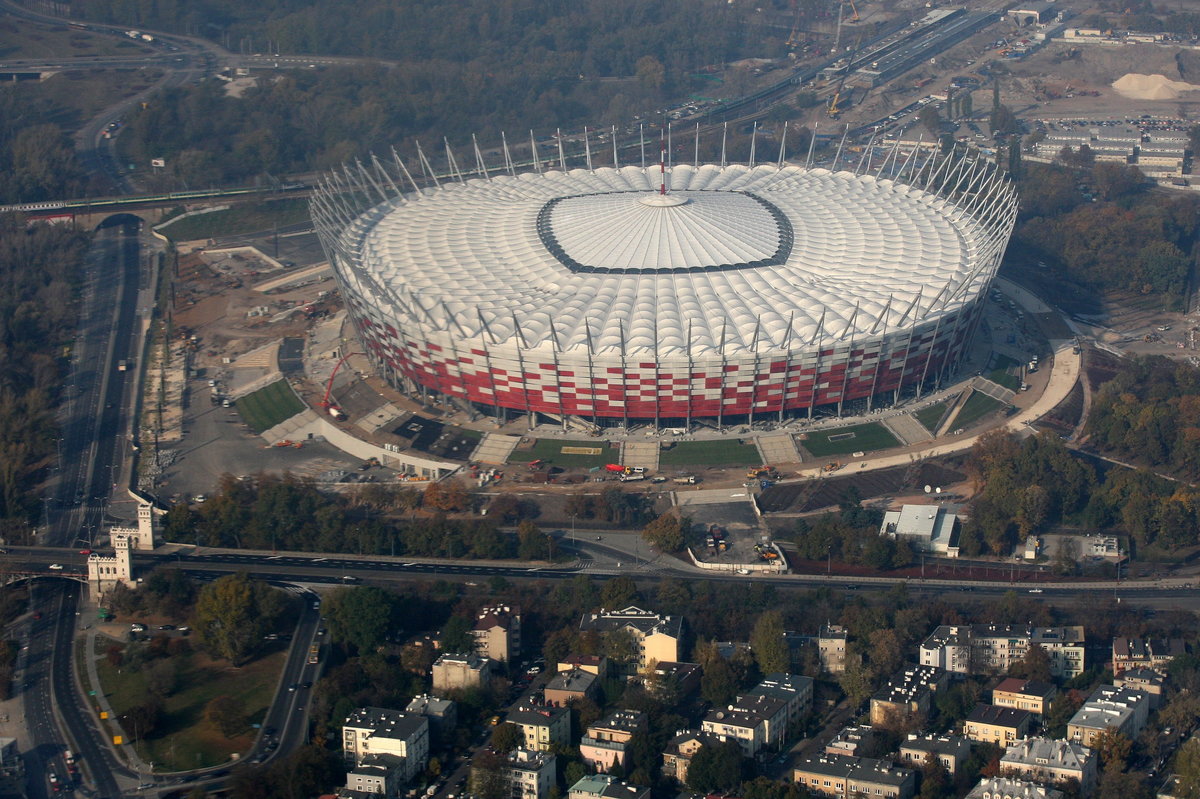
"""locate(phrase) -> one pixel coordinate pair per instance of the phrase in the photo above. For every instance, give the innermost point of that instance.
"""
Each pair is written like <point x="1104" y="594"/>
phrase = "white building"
<point x="1050" y="762"/>
<point x="377" y="731"/>
<point x="530" y="774"/>
<point x="993" y="648"/>
<point x="929" y="528"/>
<point x="1005" y="788"/>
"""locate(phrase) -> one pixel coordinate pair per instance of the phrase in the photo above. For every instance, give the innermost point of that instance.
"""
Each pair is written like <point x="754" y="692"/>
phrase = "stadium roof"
<point x="765" y="257"/>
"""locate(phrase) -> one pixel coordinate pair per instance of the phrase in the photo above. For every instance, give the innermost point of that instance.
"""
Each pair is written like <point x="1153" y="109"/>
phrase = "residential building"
<point x="606" y="741"/>
<point x="377" y="775"/>
<point x="684" y="676"/>
<point x="595" y="664"/>
<point x="1032" y="695"/>
<point x="831" y="643"/>
<point x="998" y="725"/>
<point x="1050" y="762"/>
<point x="569" y="686"/>
<point x="796" y="691"/>
<point x="1148" y="681"/>
<point x="859" y="740"/>
<point x="950" y="750"/>
<point x="462" y="671"/>
<point x="844" y="776"/>
<point x="1148" y="653"/>
<point x="994" y="648"/>
<point x="928" y="528"/>
<point x="542" y="725"/>
<point x="604" y="786"/>
<point x="657" y="636"/>
<point x="497" y="632"/>
<point x="531" y="774"/>
<point x="1007" y="788"/>
<point x="1109" y="706"/>
<point x="756" y="722"/>
<point x="908" y="696"/>
<point x="11" y="763"/>
<point x="378" y="731"/>
<point x="678" y="754"/>
<point x="442" y="714"/>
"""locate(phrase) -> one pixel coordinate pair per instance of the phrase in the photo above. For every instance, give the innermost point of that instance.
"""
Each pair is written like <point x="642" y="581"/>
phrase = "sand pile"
<point x="1151" y="87"/>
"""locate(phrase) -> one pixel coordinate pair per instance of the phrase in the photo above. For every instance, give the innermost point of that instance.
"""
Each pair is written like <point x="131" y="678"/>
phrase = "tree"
<point x="143" y="719"/>
<point x="665" y="533"/>
<point x="1187" y="766"/>
<point x="768" y="644"/>
<point x="489" y="779"/>
<point x="162" y="677"/>
<point x="618" y="592"/>
<point x="456" y="636"/>
<point x="717" y="768"/>
<point x="507" y="737"/>
<point x="935" y="780"/>
<point x="359" y="617"/>
<point x="718" y="684"/>
<point x="931" y="119"/>
<point x="1114" y="748"/>
<point x="532" y="544"/>
<point x="447" y="495"/>
<point x="1034" y="665"/>
<point x="228" y="714"/>
<point x="231" y="615"/>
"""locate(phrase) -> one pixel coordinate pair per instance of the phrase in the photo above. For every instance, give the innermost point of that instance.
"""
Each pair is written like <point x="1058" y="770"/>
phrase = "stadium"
<point x="667" y="294"/>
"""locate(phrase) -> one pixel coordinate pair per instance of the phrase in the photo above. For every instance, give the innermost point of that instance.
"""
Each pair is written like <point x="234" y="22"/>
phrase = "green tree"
<point x="768" y="644"/>
<point x="456" y="636"/>
<point x="665" y="533"/>
<point x="1187" y="766"/>
<point x="1034" y="665"/>
<point x="507" y="737"/>
<point x="359" y="617"/>
<point x="232" y="613"/>
<point x="1114" y="748"/>
<point x="718" y="684"/>
<point x="489" y="779"/>
<point x="717" y="768"/>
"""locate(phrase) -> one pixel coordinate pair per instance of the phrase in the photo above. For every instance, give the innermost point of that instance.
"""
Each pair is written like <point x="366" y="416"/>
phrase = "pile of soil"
<point x="1151" y="87"/>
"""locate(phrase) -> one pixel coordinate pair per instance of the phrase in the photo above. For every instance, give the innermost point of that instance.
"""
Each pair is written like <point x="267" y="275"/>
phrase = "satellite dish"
<point x="928" y="489"/>
<point x="938" y="490"/>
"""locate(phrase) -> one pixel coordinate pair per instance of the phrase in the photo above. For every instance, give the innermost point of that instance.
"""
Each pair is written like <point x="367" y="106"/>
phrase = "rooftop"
<point x="386" y="723"/>
<point x="644" y="621"/>
<point x="1046" y="752"/>
<point x="1015" y="685"/>
<point x="998" y="716"/>
<point x="857" y="768"/>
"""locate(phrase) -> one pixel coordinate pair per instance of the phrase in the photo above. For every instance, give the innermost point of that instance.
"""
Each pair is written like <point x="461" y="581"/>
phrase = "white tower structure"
<point x="105" y="571"/>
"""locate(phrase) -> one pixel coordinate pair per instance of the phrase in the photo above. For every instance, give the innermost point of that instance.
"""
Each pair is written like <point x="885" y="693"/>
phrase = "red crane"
<point x="332" y="409"/>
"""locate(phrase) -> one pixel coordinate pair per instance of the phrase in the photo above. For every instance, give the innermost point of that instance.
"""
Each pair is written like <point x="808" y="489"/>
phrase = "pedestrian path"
<point x="778" y="448"/>
<point x="907" y="429"/>
<point x="495" y="449"/>
<point x="640" y="453"/>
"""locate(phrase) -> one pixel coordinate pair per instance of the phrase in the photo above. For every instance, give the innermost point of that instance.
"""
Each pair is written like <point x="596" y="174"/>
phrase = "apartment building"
<point x="1109" y="706"/>
<point x="542" y="726"/>
<point x="605" y="742"/>
<point x="1050" y="762"/>
<point x="657" y="636"/>
<point x="843" y="776"/>
<point x="950" y="750"/>
<point x="452" y="672"/>
<point x="497" y="632"/>
<point x="371" y="731"/>
<point x="1032" y="695"/>
<point x="908" y="696"/>
<point x="755" y="722"/>
<point x="1144" y="653"/>
<point x="1008" y="788"/>
<point x="678" y="754"/>
<point x="994" y="648"/>
<point x="605" y="786"/>
<point x="1002" y="726"/>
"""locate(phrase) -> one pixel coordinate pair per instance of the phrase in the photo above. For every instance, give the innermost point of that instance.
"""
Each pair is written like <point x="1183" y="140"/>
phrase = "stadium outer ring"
<point x="419" y="351"/>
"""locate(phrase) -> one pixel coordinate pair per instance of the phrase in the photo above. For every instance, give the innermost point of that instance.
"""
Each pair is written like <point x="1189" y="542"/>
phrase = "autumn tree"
<point x="665" y="533"/>
<point x="768" y="644"/>
<point x="359" y="616"/>
<point x="232" y="614"/>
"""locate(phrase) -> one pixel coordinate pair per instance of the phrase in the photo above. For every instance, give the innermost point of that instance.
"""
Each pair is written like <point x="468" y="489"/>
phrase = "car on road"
<point x="166" y="626"/>
<point x="56" y="567"/>
<point x="85" y="552"/>
<point x="293" y="686"/>
<point x="306" y="685"/>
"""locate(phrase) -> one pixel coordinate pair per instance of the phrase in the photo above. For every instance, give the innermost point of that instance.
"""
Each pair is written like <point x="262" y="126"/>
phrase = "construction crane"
<point x="835" y="110"/>
<point x="837" y="38"/>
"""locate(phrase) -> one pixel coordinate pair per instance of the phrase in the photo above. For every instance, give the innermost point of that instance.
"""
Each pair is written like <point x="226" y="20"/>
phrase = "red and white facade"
<point x="753" y="292"/>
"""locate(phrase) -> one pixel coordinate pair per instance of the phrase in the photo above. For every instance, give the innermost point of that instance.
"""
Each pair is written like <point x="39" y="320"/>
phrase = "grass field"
<point x="269" y="406"/>
<point x="710" y="453"/>
<point x="58" y="43"/>
<point x="550" y="451"/>
<point x="1000" y="374"/>
<point x="976" y="407"/>
<point x="866" y="438"/>
<point x="186" y="739"/>
<point x="930" y="417"/>
<point x="242" y="218"/>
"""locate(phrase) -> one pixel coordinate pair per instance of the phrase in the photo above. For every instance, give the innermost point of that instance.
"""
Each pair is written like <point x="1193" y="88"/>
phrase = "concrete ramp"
<point x="778" y="448"/>
<point x="953" y="410"/>
<point x="290" y="429"/>
<point x="641" y="453"/>
<point x="907" y="429"/>
<point x="495" y="448"/>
